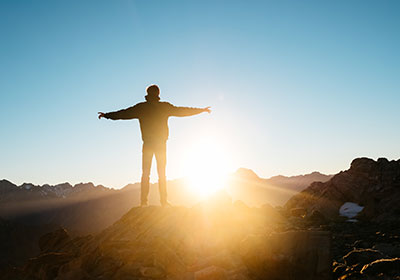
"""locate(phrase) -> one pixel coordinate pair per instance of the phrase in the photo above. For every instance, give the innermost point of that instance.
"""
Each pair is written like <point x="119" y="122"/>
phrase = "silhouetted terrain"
<point x="346" y="227"/>
<point x="213" y="240"/>
<point x="85" y="208"/>
<point x="19" y="242"/>
<point x="366" y="246"/>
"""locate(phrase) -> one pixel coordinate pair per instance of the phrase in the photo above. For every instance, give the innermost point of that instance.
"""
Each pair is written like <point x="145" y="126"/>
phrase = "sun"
<point x="206" y="167"/>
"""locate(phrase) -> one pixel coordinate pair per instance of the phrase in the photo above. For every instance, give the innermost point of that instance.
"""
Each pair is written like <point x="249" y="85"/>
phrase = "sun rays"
<point x="207" y="166"/>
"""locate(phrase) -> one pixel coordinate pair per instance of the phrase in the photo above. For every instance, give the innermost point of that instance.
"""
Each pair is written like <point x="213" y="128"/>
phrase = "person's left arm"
<point x="178" y="111"/>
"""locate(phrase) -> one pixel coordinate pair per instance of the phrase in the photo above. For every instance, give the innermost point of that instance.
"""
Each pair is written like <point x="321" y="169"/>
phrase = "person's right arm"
<point x="125" y="114"/>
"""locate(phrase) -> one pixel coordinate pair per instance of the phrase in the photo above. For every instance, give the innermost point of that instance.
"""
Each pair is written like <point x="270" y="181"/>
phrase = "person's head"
<point x="153" y="93"/>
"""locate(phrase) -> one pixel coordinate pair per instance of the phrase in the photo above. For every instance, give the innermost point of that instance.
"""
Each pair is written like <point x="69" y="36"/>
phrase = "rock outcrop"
<point x="375" y="185"/>
<point x="19" y="242"/>
<point x="217" y="240"/>
<point x="366" y="240"/>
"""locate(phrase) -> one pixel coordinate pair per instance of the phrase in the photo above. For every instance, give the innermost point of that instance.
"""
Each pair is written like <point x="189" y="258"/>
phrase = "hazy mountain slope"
<point x="245" y="185"/>
<point x="298" y="183"/>
<point x="85" y="208"/>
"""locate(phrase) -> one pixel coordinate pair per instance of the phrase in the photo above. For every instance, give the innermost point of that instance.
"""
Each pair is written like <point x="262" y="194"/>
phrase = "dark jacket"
<point x="153" y="117"/>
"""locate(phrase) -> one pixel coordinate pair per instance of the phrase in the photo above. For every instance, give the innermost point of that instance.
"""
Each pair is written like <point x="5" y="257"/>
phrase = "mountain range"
<point x="86" y="208"/>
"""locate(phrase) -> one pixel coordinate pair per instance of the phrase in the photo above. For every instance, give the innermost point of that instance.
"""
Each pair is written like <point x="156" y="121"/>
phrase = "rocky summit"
<point x="214" y="240"/>
<point x="374" y="185"/>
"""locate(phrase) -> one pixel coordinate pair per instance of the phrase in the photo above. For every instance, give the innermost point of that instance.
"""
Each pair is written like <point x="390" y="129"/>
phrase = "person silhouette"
<point x="153" y="119"/>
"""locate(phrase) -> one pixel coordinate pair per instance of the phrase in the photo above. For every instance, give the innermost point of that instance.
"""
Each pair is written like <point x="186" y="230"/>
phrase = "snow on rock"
<point x="27" y="186"/>
<point x="60" y="190"/>
<point x="350" y="210"/>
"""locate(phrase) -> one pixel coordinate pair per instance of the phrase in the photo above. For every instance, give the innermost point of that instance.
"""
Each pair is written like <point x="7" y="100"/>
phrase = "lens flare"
<point x="206" y="167"/>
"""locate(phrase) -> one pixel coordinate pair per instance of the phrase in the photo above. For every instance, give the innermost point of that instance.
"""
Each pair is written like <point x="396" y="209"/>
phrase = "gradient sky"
<point x="295" y="86"/>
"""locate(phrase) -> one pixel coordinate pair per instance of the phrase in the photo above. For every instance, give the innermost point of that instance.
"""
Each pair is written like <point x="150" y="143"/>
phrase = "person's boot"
<point x="162" y="187"/>
<point x="144" y="191"/>
<point x="166" y="204"/>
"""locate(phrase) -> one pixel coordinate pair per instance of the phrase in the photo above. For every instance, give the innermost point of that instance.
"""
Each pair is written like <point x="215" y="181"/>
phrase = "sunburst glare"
<point x="207" y="166"/>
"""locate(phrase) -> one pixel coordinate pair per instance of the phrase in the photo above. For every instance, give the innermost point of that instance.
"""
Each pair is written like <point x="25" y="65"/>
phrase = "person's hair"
<point x="153" y="90"/>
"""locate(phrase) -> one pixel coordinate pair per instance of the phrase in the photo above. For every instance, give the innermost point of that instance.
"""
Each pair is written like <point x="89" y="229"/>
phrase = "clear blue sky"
<point x="295" y="86"/>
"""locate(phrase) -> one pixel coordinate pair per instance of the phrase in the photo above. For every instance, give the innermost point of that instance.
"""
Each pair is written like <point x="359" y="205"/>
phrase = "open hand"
<point x="101" y="115"/>
<point x="207" y="109"/>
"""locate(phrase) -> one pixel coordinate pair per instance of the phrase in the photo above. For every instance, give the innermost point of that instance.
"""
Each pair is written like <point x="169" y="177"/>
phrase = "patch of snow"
<point x="62" y="190"/>
<point x="28" y="186"/>
<point x="350" y="210"/>
<point x="352" y="221"/>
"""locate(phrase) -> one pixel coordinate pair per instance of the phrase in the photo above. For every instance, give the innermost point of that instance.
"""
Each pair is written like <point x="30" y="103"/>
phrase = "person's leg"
<point x="147" y="156"/>
<point x="161" y="158"/>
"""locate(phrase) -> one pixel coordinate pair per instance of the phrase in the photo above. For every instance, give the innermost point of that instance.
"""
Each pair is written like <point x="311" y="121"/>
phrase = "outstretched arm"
<point x="125" y="114"/>
<point x="187" y="111"/>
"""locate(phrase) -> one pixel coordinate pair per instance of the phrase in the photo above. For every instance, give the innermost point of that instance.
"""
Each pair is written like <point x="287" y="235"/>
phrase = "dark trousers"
<point x="159" y="149"/>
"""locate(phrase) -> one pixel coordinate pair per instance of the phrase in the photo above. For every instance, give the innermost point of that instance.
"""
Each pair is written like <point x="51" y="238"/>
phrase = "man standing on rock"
<point x="153" y="118"/>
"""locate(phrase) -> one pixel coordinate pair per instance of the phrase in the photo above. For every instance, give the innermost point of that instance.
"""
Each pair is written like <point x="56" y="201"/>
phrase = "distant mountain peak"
<point x="6" y="186"/>
<point x="83" y="187"/>
<point x="246" y="173"/>
<point x="312" y="174"/>
<point x="27" y="186"/>
<point x="316" y="173"/>
<point x="5" y="181"/>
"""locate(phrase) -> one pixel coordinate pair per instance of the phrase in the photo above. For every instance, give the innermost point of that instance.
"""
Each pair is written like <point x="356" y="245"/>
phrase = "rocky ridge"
<point x="375" y="185"/>
<point x="213" y="240"/>
<point x="367" y="247"/>
<point x="69" y="205"/>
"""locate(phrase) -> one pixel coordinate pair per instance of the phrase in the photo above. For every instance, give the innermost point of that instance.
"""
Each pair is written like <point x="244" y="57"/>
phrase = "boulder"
<point x="72" y="270"/>
<point x="152" y="272"/>
<point x="224" y="260"/>
<point x="338" y="270"/>
<point x="167" y="259"/>
<point x="211" y="273"/>
<point x="390" y="249"/>
<point x="128" y="271"/>
<point x="383" y="267"/>
<point x="298" y="212"/>
<point x="362" y="257"/>
<point x="46" y="266"/>
<point x="361" y="244"/>
<point x="288" y="255"/>
<point x="54" y="241"/>
<point x="316" y="217"/>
